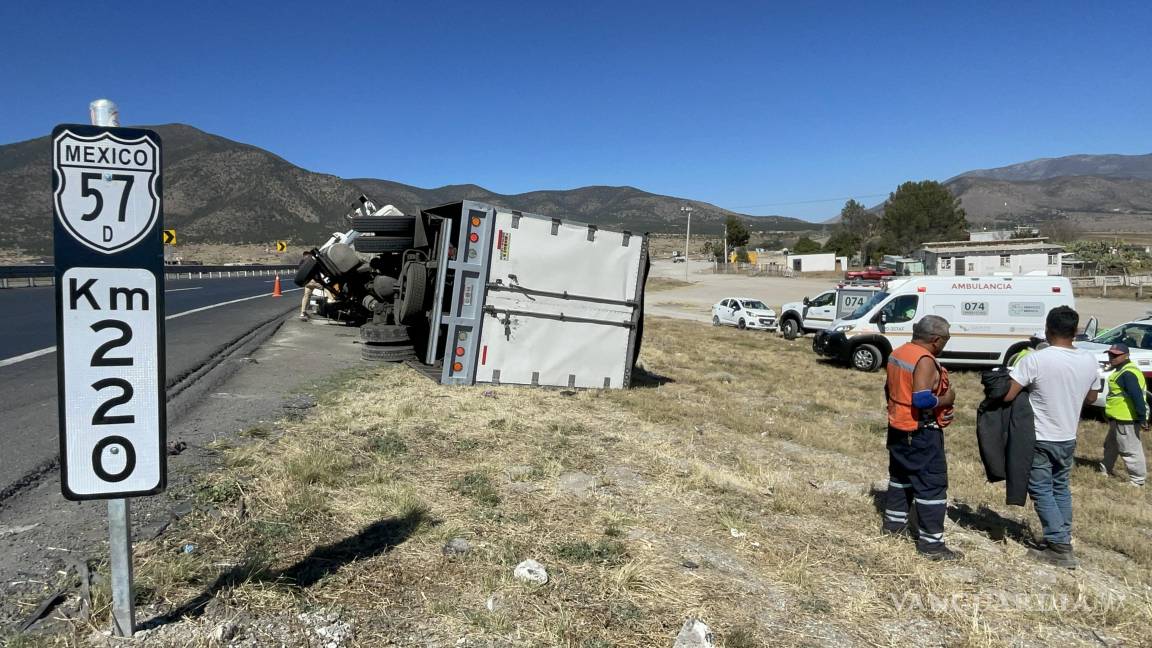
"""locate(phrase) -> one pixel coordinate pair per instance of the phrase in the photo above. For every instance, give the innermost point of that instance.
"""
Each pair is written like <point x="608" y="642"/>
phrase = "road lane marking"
<point x="234" y="301"/>
<point x="182" y="289"/>
<point x="27" y="356"/>
<point x="52" y="349"/>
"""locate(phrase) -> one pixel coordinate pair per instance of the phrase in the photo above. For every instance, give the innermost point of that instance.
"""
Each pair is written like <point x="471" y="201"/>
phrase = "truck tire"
<point x="867" y="358"/>
<point x="386" y="333"/>
<point x="395" y="225"/>
<point x="376" y="244"/>
<point x="790" y="328"/>
<point x="306" y="272"/>
<point x="410" y="302"/>
<point x="741" y="324"/>
<point x="387" y="353"/>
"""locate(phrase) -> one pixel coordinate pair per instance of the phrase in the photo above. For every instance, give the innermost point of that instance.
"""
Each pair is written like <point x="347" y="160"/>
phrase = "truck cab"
<point x="817" y="313"/>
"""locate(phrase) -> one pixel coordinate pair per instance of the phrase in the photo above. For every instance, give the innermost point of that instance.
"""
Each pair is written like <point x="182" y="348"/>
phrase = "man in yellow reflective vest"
<point x="1127" y="410"/>
<point x="1036" y="343"/>
<point x="920" y="399"/>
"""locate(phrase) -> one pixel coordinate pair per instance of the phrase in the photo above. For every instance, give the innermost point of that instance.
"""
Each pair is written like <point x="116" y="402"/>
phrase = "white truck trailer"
<point x="483" y="294"/>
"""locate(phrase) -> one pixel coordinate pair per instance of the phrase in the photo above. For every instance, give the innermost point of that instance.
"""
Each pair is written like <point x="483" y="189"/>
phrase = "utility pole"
<point x="687" y="237"/>
<point x="725" y="245"/>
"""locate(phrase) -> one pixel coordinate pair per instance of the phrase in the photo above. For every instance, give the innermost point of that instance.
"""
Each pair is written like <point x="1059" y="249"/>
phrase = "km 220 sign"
<point x="107" y="193"/>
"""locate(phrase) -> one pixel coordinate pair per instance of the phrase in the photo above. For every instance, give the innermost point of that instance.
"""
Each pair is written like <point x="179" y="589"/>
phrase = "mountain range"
<point x="217" y="190"/>
<point x="1099" y="193"/>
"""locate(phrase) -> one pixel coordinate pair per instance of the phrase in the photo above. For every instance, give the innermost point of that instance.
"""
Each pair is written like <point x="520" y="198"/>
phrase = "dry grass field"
<point x="734" y="483"/>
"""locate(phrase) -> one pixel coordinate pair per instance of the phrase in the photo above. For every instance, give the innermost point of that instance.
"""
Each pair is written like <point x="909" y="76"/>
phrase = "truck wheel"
<point x="790" y="329"/>
<point x="377" y="333"/>
<point x="867" y="357"/>
<point x="403" y="225"/>
<point x="375" y="244"/>
<point x="410" y="302"/>
<point x="387" y="353"/>
<point x="305" y="272"/>
<point x="741" y="324"/>
<point x="715" y="320"/>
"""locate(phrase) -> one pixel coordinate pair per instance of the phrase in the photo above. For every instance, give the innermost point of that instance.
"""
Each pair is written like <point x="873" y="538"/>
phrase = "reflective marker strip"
<point x="40" y="352"/>
<point x="484" y="355"/>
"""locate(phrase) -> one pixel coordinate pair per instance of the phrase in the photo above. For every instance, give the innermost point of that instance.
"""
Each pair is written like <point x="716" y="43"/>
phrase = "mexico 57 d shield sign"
<point x="107" y="193"/>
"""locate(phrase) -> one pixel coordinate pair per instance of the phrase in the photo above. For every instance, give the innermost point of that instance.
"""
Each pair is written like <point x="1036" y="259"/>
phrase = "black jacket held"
<point x="1007" y="435"/>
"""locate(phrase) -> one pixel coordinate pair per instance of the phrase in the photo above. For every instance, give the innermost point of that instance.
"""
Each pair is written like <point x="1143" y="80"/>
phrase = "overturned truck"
<point x="481" y="294"/>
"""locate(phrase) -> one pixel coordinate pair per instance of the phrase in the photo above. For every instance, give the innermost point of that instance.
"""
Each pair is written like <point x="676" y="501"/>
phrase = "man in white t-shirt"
<point x="1060" y="380"/>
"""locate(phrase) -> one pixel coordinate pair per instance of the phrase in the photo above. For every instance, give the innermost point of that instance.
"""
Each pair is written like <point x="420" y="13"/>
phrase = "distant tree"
<point x="805" y="245"/>
<point x="742" y="256"/>
<point x="707" y="249"/>
<point x="860" y="225"/>
<point x="738" y="233"/>
<point x="843" y="243"/>
<point x="858" y="221"/>
<point x="918" y="212"/>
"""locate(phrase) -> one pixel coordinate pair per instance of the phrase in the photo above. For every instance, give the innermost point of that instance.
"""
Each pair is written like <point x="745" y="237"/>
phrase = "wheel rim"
<point x="864" y="359"/>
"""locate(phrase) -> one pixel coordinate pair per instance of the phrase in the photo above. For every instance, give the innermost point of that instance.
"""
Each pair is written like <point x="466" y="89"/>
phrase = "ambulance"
<point x="992" y="318"/>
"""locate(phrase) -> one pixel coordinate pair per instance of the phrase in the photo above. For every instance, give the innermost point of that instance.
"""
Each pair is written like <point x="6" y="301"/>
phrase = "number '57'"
<point x="87" y="190"/>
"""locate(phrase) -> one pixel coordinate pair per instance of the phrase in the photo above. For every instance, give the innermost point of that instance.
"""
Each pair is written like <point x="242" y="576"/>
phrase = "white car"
<point x="1137" y="335"/>
<point x="744" y="312"/>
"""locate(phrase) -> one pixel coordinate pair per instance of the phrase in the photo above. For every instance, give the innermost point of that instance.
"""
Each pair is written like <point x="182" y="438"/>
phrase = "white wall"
<point x="991" y="235"/>
<point x="815" y="262"/>
<point x="1018" y="264"/>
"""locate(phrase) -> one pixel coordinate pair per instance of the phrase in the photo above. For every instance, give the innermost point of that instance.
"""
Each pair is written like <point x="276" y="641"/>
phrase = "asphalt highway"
<point x="202" y="317"/>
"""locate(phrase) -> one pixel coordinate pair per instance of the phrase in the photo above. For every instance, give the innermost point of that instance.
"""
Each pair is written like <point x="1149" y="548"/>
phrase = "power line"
<point x="807" y="202"/>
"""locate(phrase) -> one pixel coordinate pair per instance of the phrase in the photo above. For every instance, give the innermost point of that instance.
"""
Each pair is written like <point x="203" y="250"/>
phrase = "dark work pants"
<point x="917" y="474"/>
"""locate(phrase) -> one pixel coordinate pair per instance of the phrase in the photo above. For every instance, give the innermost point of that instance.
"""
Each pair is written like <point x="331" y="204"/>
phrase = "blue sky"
<point x="758" y="107"/>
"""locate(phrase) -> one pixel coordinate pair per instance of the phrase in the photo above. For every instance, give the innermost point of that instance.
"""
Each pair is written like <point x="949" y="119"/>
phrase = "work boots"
<point x="940" y="553"/>
<point x="1056" y="553"/>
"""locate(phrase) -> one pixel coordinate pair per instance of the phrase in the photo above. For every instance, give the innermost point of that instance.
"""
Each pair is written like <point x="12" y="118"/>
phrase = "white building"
<point x="974" y="258"/>
<point x="826" y="262"/>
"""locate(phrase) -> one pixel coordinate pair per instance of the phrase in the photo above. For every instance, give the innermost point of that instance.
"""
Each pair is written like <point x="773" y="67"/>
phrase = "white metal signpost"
<point x="107" y="195"/>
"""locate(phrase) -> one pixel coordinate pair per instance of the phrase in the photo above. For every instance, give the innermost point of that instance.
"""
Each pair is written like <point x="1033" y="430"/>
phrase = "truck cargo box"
<point x="530" y="300"/>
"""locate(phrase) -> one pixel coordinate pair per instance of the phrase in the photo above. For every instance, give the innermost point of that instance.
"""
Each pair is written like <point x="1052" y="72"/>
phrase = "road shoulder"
<point x="42" y="535"/>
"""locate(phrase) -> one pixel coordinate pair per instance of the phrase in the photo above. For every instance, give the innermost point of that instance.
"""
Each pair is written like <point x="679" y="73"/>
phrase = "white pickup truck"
<point x="817" y="313"/>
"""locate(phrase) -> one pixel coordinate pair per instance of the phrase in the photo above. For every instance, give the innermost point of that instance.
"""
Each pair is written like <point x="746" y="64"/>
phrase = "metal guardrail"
<point x="35" y="275"/>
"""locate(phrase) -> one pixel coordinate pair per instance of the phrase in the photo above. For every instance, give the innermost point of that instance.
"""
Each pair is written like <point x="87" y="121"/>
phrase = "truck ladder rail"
<point x="529" y="292"/>
<point x="496" y="312"/>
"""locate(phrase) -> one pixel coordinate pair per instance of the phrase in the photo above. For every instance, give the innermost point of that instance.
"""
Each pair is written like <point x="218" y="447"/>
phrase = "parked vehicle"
<point x="817" y="313"/>
<point x="1137" y="334"/>
<point x="744" y="312"/>
<point x="992" y="318"/>
<point x="903" y="266"/>
<point x="870" y="273"/>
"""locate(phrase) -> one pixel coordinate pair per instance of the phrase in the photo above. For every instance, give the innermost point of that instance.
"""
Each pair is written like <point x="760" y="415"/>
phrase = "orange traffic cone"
<point x="276" y="288"/>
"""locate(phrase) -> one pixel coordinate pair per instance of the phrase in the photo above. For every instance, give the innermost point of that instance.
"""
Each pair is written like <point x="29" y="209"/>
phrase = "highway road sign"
<point x="281" y="246"/>
<point x="109" y="311"/>
<point x="169" y="237"/>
